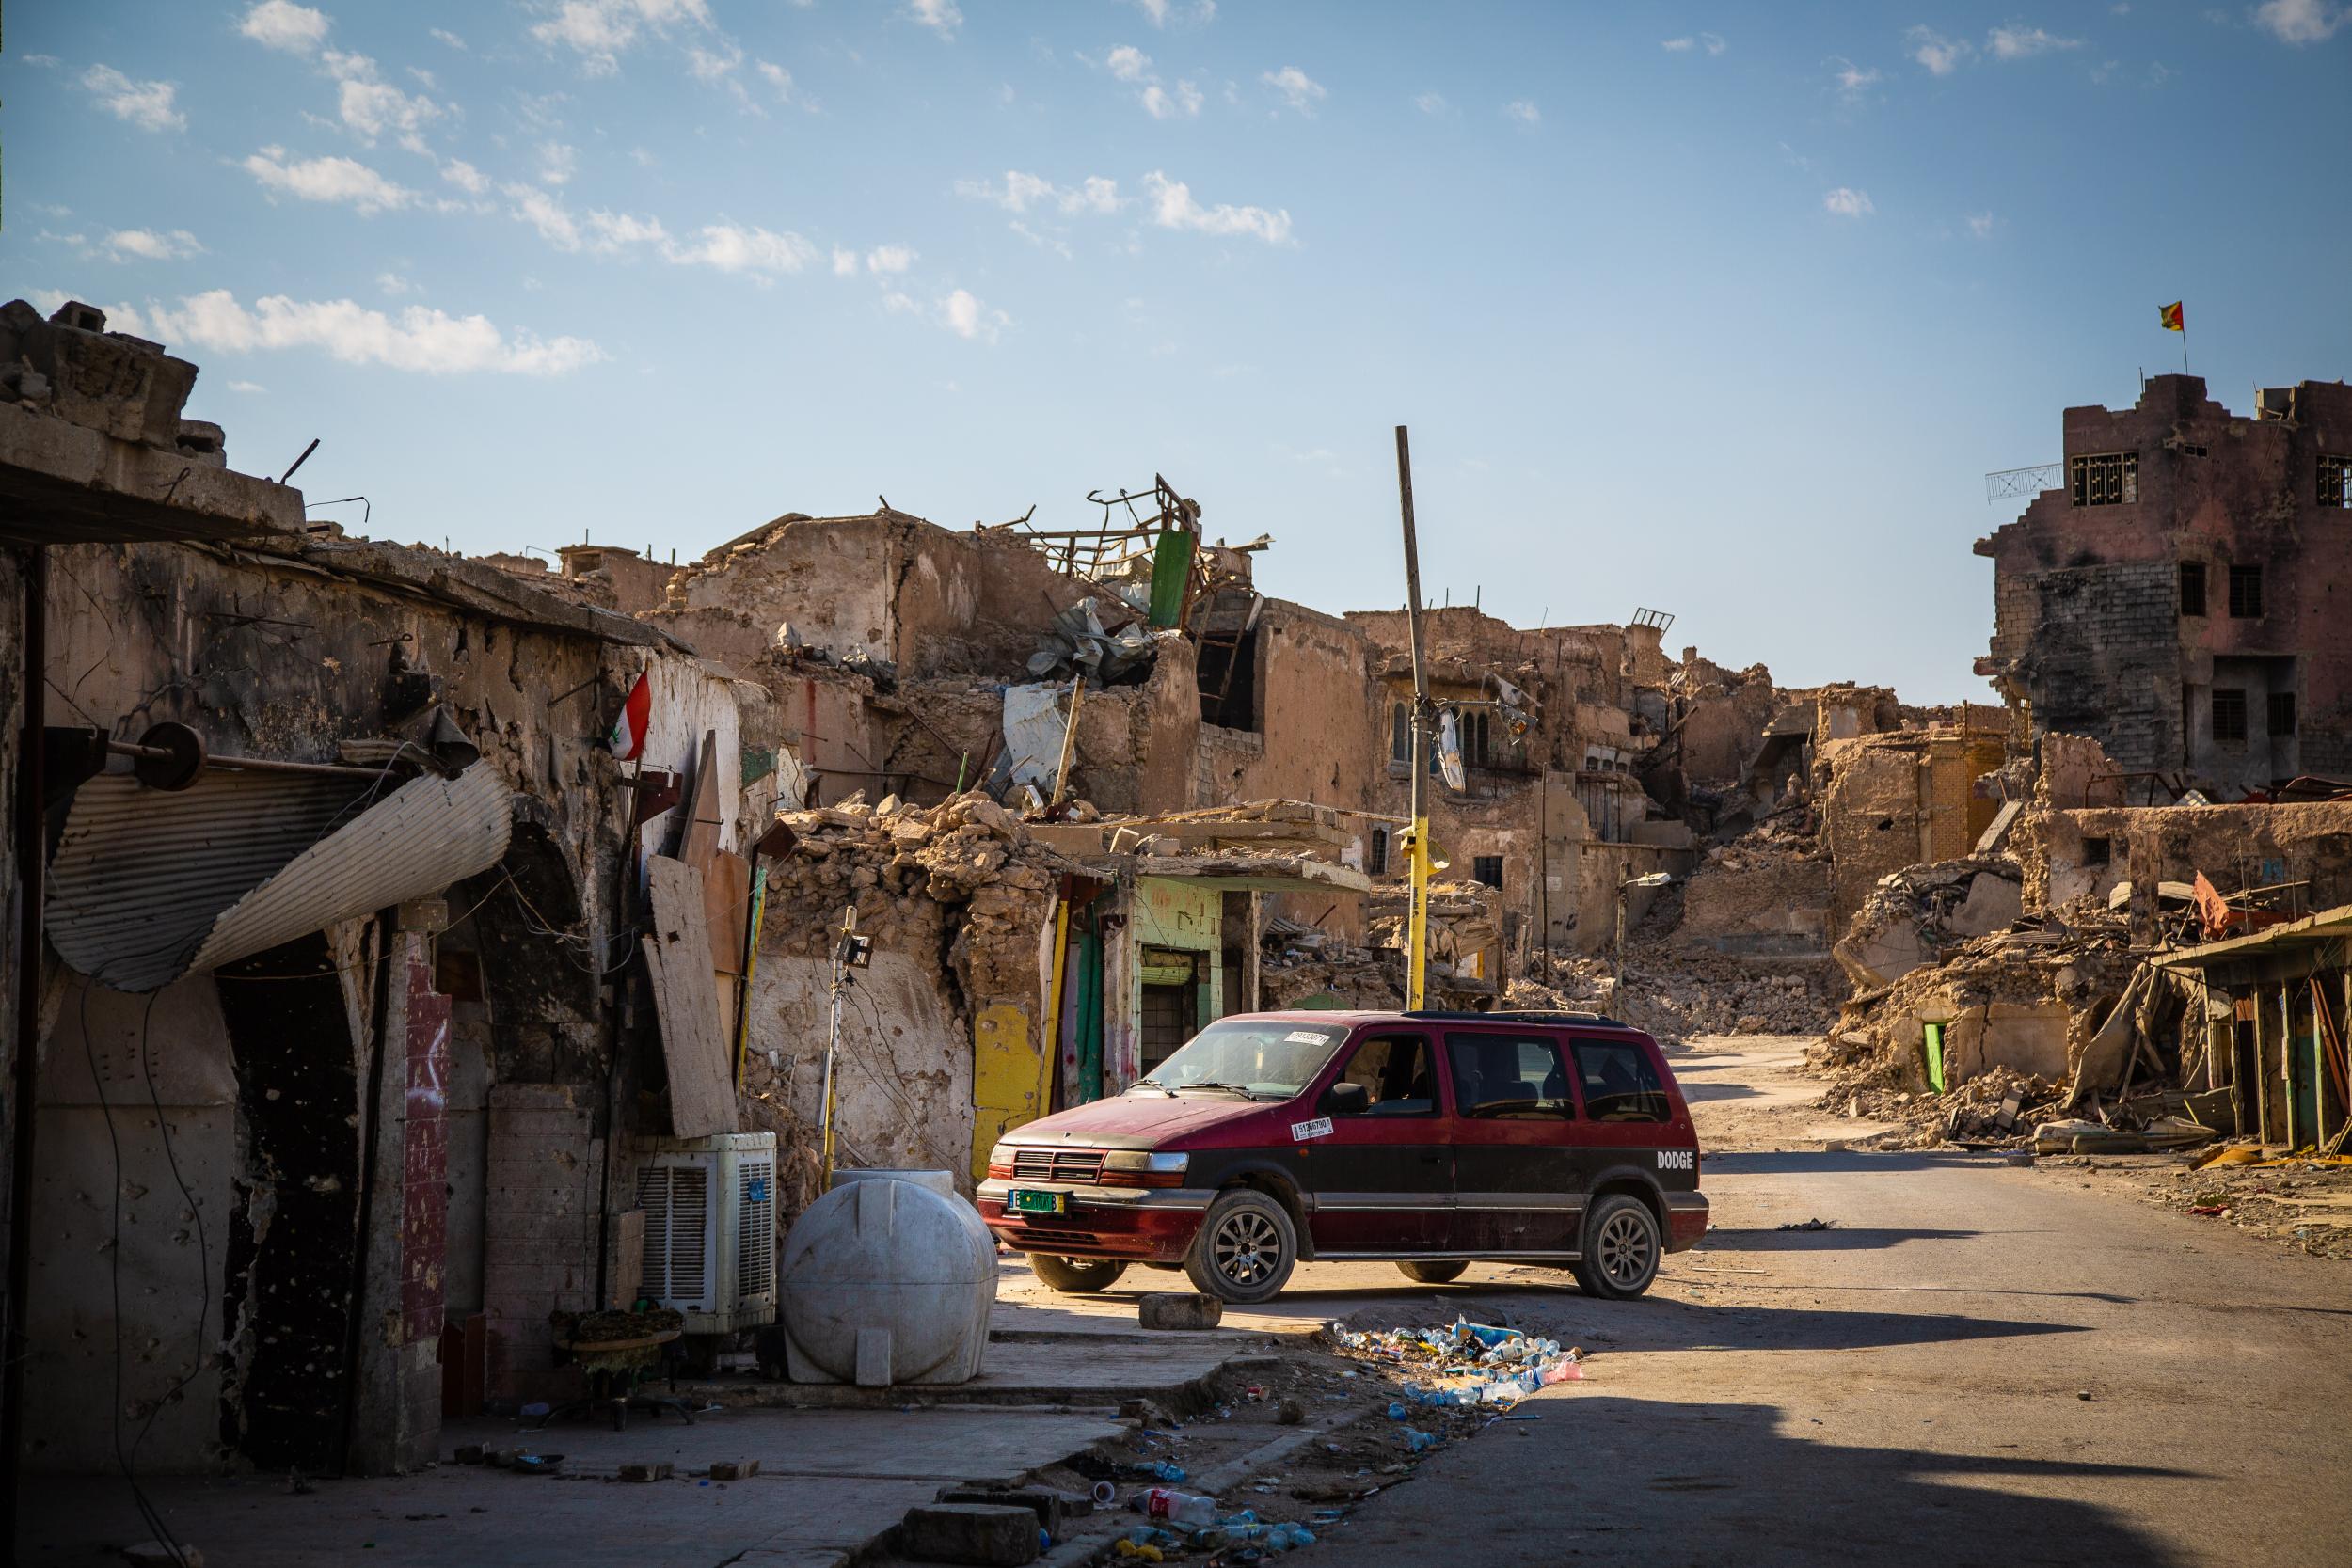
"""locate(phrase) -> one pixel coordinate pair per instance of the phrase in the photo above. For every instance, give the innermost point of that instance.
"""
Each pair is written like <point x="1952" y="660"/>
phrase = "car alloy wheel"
<point x="1625" y="1249"/>
<point x="1246" y="1248"/>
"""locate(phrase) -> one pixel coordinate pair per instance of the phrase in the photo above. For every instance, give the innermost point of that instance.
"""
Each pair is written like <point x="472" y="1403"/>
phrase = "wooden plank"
<point x="727" y="905"/>
<point x="702" y="818"/>
<point x="686" y="997"/>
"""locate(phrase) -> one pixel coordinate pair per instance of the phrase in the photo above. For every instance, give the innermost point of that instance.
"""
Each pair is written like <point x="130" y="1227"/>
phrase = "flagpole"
<point x="2185" y="344"/>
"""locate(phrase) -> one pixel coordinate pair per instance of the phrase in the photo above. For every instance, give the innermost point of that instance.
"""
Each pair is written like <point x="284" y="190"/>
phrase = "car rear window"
<point x="1620" y="1085"/>
<point x="1508" y="1075"/>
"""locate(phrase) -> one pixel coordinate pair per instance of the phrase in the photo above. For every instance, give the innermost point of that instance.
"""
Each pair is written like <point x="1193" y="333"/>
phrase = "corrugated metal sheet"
<point x="141" y="875"/>
<point x="149" y="886"/>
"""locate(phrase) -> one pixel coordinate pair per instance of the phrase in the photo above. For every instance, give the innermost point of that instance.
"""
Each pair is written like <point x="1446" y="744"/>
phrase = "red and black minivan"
<point x="1429" y="1139"/>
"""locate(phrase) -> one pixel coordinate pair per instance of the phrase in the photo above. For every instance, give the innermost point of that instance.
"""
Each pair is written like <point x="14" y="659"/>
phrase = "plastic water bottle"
<point x="1283" y="1538"/>
<point x="1187" y="1509"/>
<point x="1397" y="1411"/>
<point x="1416" y="1441"/>
<point x="1162" y="1469"/>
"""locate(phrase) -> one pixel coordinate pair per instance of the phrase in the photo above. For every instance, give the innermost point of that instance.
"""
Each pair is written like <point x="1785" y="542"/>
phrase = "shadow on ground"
<point x="1653" y="1482"/>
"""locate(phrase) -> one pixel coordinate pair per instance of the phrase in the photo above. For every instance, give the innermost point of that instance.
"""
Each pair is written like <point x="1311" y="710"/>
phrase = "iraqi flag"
<point x="628" y="731"/>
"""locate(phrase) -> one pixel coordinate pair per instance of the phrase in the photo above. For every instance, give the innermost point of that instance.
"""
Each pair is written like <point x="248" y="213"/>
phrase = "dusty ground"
<point x="1972" y="1364"/>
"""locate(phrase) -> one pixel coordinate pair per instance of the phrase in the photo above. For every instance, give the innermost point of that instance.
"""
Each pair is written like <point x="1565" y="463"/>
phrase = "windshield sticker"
<point x="1302" y="1130"/>
<point x="1304" y="1037"/>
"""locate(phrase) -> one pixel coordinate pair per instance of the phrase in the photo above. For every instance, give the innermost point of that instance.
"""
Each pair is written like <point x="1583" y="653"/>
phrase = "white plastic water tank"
<point x="888" y="1279"/>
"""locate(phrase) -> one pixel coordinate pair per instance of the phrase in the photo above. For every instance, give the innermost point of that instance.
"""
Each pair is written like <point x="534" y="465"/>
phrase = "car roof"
<point x="1353" y="1016"/>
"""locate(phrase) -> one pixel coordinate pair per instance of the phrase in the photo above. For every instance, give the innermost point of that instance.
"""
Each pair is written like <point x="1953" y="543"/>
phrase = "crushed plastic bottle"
<point x="1187" y="1509"/>
<point x="1150" y="1535"/>
<point x="1397" y="1411"/>
<point x="1159" y="1469"/>
<point x="1417" y="1441"/>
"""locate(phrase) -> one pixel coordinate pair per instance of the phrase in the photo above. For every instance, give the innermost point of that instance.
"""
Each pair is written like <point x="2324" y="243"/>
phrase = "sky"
<point x="1722" y="311"/>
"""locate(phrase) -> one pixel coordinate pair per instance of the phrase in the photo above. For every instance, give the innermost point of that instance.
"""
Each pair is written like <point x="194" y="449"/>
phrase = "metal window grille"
<point x="2104" y="479"/>
<point x="2335" y="482"/>
<point x="2228" y="713"/>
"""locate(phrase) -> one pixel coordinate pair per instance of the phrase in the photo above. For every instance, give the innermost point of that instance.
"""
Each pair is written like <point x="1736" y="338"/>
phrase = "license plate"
<point x="1027" y="1200"/>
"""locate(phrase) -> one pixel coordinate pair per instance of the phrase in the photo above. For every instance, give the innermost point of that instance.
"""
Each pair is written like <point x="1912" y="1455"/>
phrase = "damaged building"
<point x="2172" y="592"/>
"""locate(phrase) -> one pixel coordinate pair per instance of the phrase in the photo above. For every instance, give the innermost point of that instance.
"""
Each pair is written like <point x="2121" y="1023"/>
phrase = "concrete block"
<point x="656" y="1470"/>
<point x="1051" y="1507"/>
<point x="734" y="1469"/>
<point x="995" y="1534"/>
<point x="1180" y="1309"/>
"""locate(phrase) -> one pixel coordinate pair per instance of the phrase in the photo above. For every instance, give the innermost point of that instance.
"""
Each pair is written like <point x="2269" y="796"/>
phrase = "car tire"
<point x="1077" y="1277"/>
<point x="1432" y="1273"/>
<point x="1245" y="1250"/>
<point x="1622" y="1248"/>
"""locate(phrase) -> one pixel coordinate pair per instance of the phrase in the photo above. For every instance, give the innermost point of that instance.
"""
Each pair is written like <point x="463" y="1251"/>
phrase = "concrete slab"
<point x="1036" y="1369"/>
<point x="830" y="1482"/>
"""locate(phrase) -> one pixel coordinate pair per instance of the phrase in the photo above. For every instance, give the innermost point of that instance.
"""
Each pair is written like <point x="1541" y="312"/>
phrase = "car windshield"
<point x="1254" y="1056"/>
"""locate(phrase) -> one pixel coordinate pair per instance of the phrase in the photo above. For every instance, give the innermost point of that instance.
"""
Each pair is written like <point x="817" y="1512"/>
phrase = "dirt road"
<point x="1973" y="1364"/>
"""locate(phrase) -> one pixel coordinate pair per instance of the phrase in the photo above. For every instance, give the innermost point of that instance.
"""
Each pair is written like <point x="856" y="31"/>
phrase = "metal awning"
<point x="148" y="885"/>
<point x="2313" y="931"/>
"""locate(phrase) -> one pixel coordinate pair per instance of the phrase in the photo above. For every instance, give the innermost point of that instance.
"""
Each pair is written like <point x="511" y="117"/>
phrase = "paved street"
<point x="1975" y="1364"/>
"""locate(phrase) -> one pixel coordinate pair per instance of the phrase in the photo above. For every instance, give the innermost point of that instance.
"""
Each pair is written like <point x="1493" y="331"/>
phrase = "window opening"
<point x="2282" y="713"/>
<point x="2192" y="588"/>
<point x="2246" y="593"/>
<point x="1487" y="869"/>
<point x="1376" y="862"/>
<point x="2335" y="482"/>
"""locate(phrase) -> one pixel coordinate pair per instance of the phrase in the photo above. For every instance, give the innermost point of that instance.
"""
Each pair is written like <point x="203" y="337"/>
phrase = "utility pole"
<point x="1424" y="726"/>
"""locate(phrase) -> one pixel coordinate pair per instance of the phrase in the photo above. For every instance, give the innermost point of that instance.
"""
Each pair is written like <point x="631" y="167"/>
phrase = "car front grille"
<point x="1083" y="1166"/>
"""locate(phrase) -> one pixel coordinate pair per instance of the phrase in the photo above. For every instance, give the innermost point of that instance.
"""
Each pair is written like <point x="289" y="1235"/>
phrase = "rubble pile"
<point x="1914" y="918"/>
<point x="1676" y="994"/>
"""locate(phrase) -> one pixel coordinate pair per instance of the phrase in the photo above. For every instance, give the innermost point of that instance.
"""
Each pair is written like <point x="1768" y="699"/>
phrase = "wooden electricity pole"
<point x="1424" y="727"/>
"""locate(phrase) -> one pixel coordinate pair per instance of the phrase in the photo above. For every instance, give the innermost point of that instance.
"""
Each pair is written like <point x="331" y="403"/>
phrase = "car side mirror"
<point x="1346" y="1100"/>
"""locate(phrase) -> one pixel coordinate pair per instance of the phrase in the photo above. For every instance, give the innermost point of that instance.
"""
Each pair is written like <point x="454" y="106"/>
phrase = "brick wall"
<point x="540" y="1230"/>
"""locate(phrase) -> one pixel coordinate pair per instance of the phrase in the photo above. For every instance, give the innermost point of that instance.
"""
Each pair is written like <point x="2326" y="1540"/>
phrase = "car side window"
<point x="1620" y="1085"/>
<point x="1394" y="1070"/>
<point x="1509" y="1075"/>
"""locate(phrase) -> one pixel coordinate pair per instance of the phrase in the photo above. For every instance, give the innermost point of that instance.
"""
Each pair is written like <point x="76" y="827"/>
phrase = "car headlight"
<point x="1140" y="1167"/>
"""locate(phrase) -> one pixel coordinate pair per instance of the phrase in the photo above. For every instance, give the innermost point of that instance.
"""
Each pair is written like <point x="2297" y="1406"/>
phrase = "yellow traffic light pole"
<point x="1424" y="727"/>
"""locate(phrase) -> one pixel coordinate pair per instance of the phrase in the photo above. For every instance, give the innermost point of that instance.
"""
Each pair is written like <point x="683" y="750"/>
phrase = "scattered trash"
<point x="1163" y="1469"/>
<point x="1465" y="1360"/>
<point x="1809" y="1224"/>
<point x="1182" y="1508"/>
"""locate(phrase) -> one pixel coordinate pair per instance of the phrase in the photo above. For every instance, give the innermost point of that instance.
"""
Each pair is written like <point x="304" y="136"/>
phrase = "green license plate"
<point x="1027" y="1200"/>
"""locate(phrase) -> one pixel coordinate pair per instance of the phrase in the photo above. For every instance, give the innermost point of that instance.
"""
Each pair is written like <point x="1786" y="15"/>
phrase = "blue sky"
<point x="1721" y="309"/>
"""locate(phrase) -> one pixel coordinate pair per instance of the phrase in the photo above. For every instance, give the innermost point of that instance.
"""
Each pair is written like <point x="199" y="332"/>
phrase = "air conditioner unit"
<point x="710" y="1227"/>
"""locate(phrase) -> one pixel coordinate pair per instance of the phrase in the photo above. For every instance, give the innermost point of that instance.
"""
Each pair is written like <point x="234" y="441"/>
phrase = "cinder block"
<point x="656" y="1470"/>
<point x="734" y="1469"/>
<point x="1180" y="1309"/>
<point x="988" y="1533"/>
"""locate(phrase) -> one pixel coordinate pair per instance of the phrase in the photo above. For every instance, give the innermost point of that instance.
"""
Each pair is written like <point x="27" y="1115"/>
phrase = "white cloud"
<point x="43" y="62"/>
<point x="464" y="177"/>
<point x="445" y="35"/>
<point x="967" y="317"/>
<point x="611" y="232"/>
<point x="600" y="31"/>
<point x="1155" y="9"/>
<point x="1677" y="45"/>
<point x="1298" y="89"/>
<point x="1524" y="112"/>
<point x="1846" y="202"/>
<point x="342" y="181"/>
<point x="844" y="262"/>
<point x="777" y="77"/>
<point x="729" y="247"/>
<point x="282" y="24"/>
<point x="1712" y="42"/>
<point x="393" y="284"/>
<point x="1939" y="54"/>
<point x="1158" y="11"/>
<point x="1173" y="207"/>
<point x="1853" y="80"/>
<point x="147" y="105"/>
<point x="887" y="258"/>
<point x="939" y="16"/>
<point x="146" y="245"/>
<point x="547" y="215"/>
<point x="247" y="386"/>
<point x="558" y="161"/>
<point x="1185" y="102"/>
<point x="1128" y="63"/>
<point x="1981" y="225"/>
<point x="420" y="339"/>
<point x="370" y="108"/>
<point x="2300" y="22"/>
<point x="2017" y="44"/>
<point x="1431" y="103"/>
<point x="599" y="232"/>
<point x="1022" y="191"/>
